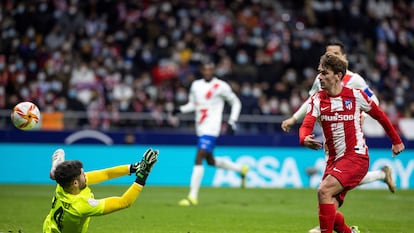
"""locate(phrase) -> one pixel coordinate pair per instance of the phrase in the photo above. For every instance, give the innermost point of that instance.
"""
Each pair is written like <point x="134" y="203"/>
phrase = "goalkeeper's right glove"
<point x="144" y="167"/>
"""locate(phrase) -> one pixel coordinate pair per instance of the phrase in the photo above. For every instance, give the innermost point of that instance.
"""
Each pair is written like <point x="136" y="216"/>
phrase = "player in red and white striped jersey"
<point x="338" y="109"/>
<point x="207" y="98"/>
<point x="351" y="80"/>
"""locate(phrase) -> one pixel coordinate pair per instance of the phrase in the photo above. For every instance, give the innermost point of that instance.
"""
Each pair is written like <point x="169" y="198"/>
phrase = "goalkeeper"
<point x="73" y="203"/>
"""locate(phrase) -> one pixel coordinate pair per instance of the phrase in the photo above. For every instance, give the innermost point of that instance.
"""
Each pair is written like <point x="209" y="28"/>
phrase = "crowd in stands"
<point x="105" y="58"/>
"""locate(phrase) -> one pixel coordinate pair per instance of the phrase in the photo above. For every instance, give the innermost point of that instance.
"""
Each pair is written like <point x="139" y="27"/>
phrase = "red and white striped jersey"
<point x="351" y="80"/>
<point x="207" y="100"/>
<point x="340" y="119"/>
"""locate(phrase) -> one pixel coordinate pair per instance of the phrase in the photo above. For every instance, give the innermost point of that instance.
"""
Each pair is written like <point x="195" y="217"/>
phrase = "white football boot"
<point x="316" y="229"/>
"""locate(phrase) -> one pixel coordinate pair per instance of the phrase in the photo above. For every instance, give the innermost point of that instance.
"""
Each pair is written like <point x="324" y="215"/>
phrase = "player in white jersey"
<point x="351" y="80"/>
<point x="207" y="98"/>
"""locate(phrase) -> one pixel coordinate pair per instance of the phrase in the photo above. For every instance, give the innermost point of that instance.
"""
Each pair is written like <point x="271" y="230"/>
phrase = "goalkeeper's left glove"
<point x="134" y="166"/>
<point x="144" y="167"/>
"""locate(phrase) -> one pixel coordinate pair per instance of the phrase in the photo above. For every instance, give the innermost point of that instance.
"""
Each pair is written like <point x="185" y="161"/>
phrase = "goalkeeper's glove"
<point x="144" y="167"/>
<point x="133" y="168"/>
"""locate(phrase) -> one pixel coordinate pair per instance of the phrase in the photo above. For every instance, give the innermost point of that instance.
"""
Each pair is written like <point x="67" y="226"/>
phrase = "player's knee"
<point x="211" y="162"/>
<point x="323" y="193"/>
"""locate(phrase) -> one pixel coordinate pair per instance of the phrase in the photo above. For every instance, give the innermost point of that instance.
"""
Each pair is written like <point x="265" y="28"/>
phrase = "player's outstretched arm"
<point x="297" y="116"/>
<point x="379" y="115"/>
<point x="301" y="112"/>
<point x="288" y="123"/>
<point x="143" y="169"/>
<point x="98" y="176"/>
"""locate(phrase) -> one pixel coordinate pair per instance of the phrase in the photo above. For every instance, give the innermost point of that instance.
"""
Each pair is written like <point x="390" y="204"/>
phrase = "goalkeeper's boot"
<point x="57" y="158"/>
<point x="354" y="229"/>
<point x="316" y="229"/>
<point x="388" y="178"/>
<point x="243" y="174"/>
<point x="189" y="201"/>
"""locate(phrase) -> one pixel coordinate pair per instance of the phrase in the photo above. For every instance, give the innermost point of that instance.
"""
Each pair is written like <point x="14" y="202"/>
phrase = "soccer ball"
<point x="25" y="116"/>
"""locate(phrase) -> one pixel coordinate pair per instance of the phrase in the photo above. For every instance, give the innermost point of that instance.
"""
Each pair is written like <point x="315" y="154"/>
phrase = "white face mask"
<point x="30" y="32"/>
<point x="228" y="40"/>
<point x="12" y="68"/>
<point x="72" y="10"/>
<point x="246" y="91"/>
<point x="162" y="42"/>
<point x="129" y="79"/>
<point x="21" y="78"/>
<point x="24" y="92"/>
<point x="242" y="59"/>
<point x="181" y="96"/>
<point x="257" y="92"/>
<point x="291" y="77"/>
<point x="61" y="106"/>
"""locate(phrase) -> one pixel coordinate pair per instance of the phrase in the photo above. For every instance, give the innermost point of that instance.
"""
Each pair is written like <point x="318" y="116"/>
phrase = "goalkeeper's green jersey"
<point x="71" y="213"/>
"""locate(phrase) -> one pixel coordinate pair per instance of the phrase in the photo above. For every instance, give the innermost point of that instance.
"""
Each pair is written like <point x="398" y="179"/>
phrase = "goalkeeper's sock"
<point x="340" y="225"/>
<point x="227" y="164"/>
<point x="196" y="177"/>
<point x="327" y="214"/>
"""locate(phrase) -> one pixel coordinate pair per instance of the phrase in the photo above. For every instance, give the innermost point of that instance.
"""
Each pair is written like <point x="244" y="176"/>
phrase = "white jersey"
<point x="350" y="80"/>
<point x="207" y="100"/>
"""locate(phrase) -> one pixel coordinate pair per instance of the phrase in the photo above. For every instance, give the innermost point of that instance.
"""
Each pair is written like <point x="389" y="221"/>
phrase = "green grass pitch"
<point x="221" y="210"/>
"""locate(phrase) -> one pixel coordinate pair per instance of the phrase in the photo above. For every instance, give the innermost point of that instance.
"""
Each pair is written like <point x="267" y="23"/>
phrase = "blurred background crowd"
<point x="111" y="62"/>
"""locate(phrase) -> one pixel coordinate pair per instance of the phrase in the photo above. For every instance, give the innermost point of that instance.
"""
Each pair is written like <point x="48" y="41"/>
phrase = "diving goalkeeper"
<point x="73" y="203"/>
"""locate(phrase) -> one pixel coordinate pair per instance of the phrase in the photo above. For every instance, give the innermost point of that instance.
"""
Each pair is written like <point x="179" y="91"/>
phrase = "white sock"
<point x="196" y="177"/>
<point x="227" y="164"/>
<point x="372" y="176"/>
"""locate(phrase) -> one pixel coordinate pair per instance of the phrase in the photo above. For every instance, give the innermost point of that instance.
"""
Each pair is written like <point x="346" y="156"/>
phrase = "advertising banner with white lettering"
<point x="270" y="167"/>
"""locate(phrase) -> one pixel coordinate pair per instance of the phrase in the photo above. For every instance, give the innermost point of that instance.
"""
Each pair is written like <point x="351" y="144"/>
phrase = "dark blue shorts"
<point x="206" y="142"/>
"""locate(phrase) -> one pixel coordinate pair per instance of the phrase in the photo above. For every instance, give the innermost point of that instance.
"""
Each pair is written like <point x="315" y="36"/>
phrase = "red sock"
<point x="327" y="217"/>
<point x="340" y="225"/>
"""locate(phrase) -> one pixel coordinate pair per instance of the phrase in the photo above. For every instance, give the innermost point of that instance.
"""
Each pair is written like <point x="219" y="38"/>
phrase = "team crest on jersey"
<point x="348" y="104"/>
<point x="93" y="202"/>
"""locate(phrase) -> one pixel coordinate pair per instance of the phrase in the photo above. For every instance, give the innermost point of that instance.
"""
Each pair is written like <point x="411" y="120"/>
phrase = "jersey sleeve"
<point x="360" y="83"/>
<point x="308" y="123"/>
<point x="190" y="105"/>
<point x="316" y="86"/>
<point x="117" y="203"/>
<point x="370" y="107"/>
<point x="88" y="206"/>
<point x="231" y="98"/>
<point x="98" y="176"/>
<point x="301" y="112"/>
